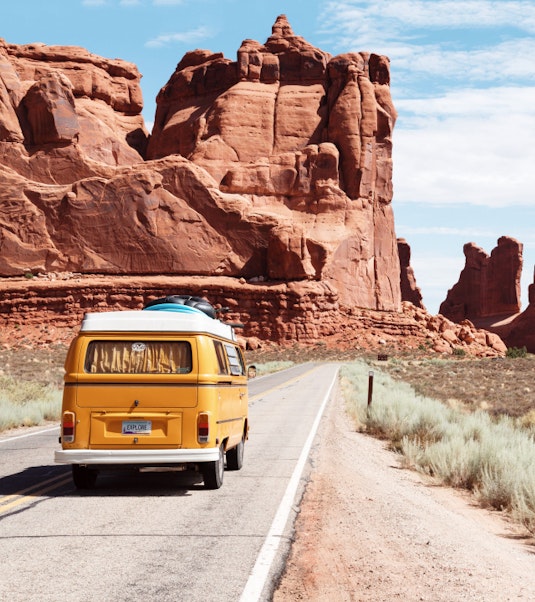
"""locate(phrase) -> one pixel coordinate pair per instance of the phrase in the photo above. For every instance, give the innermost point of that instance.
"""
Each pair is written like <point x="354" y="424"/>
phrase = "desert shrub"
<point x="523" y="510"/>
<point x="27" y="403"/>
<point x="492" y="457"/>
<point x="453" y="460"/>
<point x="514" y="352"/>
<point x="528" y="420"/>
<point x="396" y="411"/>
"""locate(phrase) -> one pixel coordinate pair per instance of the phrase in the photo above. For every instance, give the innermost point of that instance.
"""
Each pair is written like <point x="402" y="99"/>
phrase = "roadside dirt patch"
<point x="369" y="531"/>
<point x="497" y="385"/>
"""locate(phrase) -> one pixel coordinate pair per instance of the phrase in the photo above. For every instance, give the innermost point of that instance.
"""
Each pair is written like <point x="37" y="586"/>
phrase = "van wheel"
<point x="83" y="477"/>
<point x="213" y="472"/>
<point x="235" y="456"/>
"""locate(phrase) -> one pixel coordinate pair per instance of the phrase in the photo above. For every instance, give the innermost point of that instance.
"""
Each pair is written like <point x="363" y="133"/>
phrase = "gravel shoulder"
<point x="370" y="531"/>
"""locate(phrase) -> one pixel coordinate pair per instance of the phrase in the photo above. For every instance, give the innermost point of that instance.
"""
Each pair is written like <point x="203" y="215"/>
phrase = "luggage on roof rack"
<point x="188" y="300"/>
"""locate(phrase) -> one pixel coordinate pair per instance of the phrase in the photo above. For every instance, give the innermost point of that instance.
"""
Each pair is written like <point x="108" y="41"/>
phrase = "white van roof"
<point x="156" y="321"/>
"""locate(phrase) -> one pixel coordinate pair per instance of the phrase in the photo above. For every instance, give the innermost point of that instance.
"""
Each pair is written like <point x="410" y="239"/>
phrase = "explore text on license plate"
<point x="137" y="427"/>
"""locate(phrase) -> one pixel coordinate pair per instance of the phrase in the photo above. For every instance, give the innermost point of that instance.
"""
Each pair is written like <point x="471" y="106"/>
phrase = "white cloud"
<point x="510" y="60"/>
<point x="468" y="146"/>
<point x="473" y="102"/>
<point x="370" y="22"/>
<point x="184" y="37"/>
<point x="478" y="40"/>
<point x="452" y="13"/>
<point x="437" y="270"/>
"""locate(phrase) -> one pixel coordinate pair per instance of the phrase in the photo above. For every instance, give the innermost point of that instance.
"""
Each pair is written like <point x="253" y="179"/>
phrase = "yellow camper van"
<point x="162" y="387"/>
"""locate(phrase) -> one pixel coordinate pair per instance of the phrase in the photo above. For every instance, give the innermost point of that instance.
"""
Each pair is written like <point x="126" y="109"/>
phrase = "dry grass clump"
<point x="27" y="403"/>
<point x="492" y="456"/>
<point x="269" y="367"/>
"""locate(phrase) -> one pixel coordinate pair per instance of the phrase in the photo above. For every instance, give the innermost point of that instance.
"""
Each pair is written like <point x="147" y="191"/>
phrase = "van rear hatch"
<point x="136" y="389"/>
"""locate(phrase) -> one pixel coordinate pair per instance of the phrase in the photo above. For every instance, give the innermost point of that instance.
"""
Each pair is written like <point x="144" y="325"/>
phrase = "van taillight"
<point x="67" y="432"/>
<point x="203" y="428"/>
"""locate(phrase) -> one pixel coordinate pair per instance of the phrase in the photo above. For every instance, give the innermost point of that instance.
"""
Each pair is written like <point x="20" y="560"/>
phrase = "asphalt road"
<point x="161" y="536"/>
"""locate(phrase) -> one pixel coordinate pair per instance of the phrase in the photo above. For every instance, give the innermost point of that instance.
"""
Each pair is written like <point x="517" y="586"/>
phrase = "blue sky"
<point x="463" y="82"/>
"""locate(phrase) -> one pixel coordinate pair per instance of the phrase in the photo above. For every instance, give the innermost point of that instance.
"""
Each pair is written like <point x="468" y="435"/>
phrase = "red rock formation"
<point x="67" y="114"/>
<point x="487" y="286"/>
<point x="409" y="290"/>
<point x="305" y="139"/>
<point x="275" y="167"/>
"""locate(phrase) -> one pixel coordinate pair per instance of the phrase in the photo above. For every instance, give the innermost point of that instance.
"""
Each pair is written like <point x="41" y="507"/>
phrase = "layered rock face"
<point x="48" y="309"/>
<point x="274" y="167"/>
<point x="305" y="140"/>
<point x="69" y="121"/>
<point x="409" y="289"/>
<point x="66" y="114"/>
<point x="520" y="331"/>
<point x="488" y="285"/>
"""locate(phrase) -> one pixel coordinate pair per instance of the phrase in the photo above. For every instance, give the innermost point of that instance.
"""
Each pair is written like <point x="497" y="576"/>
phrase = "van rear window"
<point x="138" y="357"/>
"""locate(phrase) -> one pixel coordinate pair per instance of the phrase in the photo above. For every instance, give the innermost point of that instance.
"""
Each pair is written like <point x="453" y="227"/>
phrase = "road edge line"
<point x="44" y="430"/>
<point x="258" y="576"/>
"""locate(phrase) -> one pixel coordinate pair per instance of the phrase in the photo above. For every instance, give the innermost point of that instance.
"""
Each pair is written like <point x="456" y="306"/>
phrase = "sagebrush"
<point x="492" y="456"/>
<point x="27" y="403"/>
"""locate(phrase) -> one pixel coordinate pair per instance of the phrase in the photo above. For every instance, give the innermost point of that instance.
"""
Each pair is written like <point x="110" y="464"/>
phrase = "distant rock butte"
<point x="488" y="294"/>
<point x="488" y="285"/>
<point x="515" y="329"/>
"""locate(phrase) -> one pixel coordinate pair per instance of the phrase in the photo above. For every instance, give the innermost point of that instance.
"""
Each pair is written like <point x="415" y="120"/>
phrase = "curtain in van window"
<point x="138" y="357"/>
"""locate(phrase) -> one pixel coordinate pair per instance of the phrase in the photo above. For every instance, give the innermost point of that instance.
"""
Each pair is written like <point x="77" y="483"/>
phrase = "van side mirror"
<point x="251" y="372"/>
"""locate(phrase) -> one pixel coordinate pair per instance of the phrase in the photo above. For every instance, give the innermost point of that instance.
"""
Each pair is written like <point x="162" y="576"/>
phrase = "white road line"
<point x="52" y="428"/>
<point x="257" y="579"/>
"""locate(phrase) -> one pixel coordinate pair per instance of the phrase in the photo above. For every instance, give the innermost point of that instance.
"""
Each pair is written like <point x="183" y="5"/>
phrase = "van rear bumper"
<point x="146" y="457"/>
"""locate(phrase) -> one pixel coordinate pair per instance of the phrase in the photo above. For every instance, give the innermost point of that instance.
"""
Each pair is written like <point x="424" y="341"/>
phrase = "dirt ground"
<point x="368" y="531"/>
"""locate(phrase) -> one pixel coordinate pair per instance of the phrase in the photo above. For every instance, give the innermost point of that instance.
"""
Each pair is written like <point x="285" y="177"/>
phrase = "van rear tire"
<point x="213" y="472"/>
<point x="83" y="477"/>
<point x="235" y="456"/>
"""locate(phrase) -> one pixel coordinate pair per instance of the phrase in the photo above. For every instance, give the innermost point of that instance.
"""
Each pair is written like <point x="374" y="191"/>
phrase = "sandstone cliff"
<point x="276" y="167"/>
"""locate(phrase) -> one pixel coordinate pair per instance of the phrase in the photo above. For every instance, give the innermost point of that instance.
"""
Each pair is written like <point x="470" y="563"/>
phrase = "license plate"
<point x="137" y="427"/>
